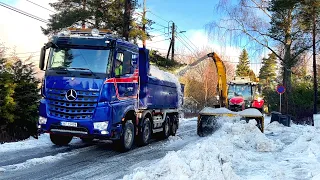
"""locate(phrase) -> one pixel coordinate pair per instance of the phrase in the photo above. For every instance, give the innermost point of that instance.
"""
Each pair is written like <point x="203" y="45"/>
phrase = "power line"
<point x="160" y="25"/>
<point x="188" y="39"/>
<point x="185" y="43"/>
<point x="159" y="41"/>
<point x="22" y="12"/>
<point x="40" y="6"/>
<point x="158" y="16"/>
<point x="158" y="35"/>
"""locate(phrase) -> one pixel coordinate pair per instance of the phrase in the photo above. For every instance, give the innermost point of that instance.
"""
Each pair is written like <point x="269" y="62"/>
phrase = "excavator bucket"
<point x="209" y="119"/>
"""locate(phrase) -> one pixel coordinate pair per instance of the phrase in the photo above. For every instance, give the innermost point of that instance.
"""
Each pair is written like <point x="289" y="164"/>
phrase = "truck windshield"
<point x="240" y="90"/>
<point x="95" y="60"/>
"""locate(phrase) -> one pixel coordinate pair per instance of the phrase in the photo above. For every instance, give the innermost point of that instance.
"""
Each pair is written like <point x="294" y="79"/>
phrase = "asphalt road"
<point x="97" y="160"/>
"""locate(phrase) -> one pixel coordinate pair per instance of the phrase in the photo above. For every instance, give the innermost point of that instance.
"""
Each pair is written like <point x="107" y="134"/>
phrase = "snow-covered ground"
<point x="240" y="151"/>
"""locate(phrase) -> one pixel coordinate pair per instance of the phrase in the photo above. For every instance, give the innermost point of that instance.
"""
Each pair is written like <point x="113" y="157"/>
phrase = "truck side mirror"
<point x="42" y="57"/>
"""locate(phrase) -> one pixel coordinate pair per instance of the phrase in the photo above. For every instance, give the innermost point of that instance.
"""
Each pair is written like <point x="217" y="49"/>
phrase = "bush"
<point x="19" y="99"/>
<point x="301" y="101"/>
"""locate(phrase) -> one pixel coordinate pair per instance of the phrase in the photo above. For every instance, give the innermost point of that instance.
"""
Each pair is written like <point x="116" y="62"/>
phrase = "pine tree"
<point x="243" y="68"/>
<point x="267" y="72"/>
<point x="103" y="14"/>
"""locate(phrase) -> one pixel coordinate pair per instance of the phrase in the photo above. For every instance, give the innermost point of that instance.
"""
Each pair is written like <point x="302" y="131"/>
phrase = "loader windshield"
<point x="240" y="90"/>
<point x="95" y="60"/>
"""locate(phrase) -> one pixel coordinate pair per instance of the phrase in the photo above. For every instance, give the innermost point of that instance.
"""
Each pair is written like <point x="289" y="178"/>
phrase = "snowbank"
<point x="246" y="112"/>
<point x="26" y="144"/>
<point x="238" y="150"/>
<point x="210" y="110"/>
<point x="250" y="112"/>
<point x="201" y="161"/>
<point x="30" y="143"/>
<point x="162" y="75"/>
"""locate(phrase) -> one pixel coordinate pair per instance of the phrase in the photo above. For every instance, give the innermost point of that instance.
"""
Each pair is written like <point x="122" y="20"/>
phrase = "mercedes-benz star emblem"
<point x="71" y="95"/>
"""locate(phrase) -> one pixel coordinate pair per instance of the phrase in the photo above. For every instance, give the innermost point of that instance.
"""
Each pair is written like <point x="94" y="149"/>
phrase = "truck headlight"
<point x="101" y="125"/>
<point x="42" y="120"/>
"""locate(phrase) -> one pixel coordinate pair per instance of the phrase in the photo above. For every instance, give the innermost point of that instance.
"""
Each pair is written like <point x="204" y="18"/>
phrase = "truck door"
<point x="126" y="74"/>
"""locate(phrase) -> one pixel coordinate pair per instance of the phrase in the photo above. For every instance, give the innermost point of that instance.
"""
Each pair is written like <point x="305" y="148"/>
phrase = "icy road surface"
<point x="39" y="159"/>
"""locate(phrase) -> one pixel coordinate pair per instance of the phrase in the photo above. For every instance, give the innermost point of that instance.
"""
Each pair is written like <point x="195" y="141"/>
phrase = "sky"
<point x="25" y="35"/>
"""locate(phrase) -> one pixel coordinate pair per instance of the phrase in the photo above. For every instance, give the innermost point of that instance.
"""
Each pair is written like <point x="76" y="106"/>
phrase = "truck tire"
<point x="166" y="128"/>
<point x="86" y="139"/>
<point x="60" y="140"/>
<point x="127" y="138"/>
<point x="145" y="134"/>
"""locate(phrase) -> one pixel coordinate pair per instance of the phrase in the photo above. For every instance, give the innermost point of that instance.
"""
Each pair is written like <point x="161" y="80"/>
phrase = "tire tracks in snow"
<point x="95" y="161"/>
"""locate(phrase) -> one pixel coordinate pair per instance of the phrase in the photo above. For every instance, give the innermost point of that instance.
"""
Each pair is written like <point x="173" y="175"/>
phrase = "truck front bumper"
<point x="98" y="127"/>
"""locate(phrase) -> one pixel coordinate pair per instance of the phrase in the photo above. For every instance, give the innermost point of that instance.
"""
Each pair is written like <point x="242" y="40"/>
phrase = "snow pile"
<point x="238" y="150"/>
<point x="162" y="75"/>
<point x="201" y="161"/>
<point x="250" y="112"/>
<point x="223" y="110"/>
<point x="210" y="110"/>
<point x="247" y="136"/>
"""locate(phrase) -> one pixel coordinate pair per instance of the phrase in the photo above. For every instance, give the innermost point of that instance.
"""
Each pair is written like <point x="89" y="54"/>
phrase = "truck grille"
<point x="82" y="108"/>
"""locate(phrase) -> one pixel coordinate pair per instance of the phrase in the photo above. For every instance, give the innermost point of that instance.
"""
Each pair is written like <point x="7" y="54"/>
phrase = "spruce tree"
<point x="7" y="86"/>
<point x="243" y="68"/>
<point x="27" y="98"/>
<point x="267" y="72"/>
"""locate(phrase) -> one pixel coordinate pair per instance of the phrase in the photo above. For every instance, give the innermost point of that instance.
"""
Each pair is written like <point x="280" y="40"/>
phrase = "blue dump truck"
<point x="98" y="86"/>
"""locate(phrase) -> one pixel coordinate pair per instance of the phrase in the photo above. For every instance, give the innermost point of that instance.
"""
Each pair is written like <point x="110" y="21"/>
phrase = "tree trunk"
<point x="286" y="79"/>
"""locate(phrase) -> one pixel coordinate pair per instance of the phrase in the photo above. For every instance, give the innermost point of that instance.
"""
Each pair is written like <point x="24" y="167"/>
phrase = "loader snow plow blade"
<point x="208" y="119"/>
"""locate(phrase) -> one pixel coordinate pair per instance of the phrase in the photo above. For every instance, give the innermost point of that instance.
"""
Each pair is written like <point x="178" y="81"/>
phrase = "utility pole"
<point x="84" y="8"/>
<point x="144" y="24"/>
<point x="169" y="49"/>
<point x="315" y="84"/>
<point x="173" y="40"/>
<point x="126" y="19"/>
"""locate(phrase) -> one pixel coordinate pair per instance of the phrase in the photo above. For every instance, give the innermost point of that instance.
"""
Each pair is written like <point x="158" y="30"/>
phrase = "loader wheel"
<point x="174" y="126"/>
<point x="166" y="128"/>
<point x="60" y="140"/>
<point x="126" y="140"/>
<point x="145" y="135"/>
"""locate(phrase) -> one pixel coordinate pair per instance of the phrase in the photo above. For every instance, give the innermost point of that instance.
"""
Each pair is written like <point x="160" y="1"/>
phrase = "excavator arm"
<point x="222" y="75"/>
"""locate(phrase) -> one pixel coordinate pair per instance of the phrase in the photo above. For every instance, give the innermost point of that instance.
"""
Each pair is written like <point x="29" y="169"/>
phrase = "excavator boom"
<point x="222" y="75"/>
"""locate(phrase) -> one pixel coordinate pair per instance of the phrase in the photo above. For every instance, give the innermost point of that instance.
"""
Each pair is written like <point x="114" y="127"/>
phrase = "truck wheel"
<point x="166" y="128"/>
<point x="126" y="141"/>
<point x="60" y="140"/>
<point x="145" y="135"/>
<point x="86" y="139"/>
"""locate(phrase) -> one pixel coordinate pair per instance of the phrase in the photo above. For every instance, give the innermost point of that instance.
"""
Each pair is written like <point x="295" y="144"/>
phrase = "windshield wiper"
<point x="59" y="68"/>
<point x="86" y="69"/>
<point x="64" y="70"/>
